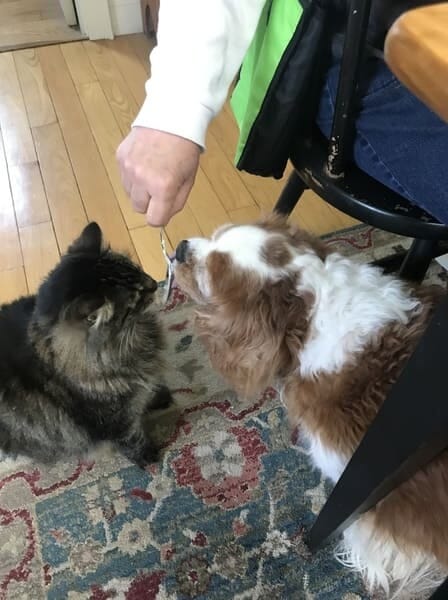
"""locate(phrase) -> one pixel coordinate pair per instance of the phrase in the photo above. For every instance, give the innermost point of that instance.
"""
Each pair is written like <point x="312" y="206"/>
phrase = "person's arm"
<point x="201" y="44"/>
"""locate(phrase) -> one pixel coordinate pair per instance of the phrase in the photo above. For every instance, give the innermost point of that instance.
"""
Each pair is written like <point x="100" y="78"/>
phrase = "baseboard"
<point x="126" y="16"/>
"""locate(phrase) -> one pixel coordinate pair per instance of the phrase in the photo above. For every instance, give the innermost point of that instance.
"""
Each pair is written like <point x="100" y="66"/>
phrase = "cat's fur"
<point x="81" y="362"/>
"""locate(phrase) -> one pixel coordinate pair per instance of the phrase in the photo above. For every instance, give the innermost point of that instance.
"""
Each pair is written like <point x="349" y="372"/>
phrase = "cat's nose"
<point x="181" y="251"/>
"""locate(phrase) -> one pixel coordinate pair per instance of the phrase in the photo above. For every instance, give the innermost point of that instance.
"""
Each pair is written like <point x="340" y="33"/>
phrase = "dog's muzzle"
<point x="181" y="251"/>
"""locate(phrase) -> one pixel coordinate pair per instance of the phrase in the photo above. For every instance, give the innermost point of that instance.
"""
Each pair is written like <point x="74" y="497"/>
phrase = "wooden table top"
<point x="416" y="51"/>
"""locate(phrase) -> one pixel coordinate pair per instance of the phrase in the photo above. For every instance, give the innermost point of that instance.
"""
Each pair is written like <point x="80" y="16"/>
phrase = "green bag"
<point x="275" y="84"/>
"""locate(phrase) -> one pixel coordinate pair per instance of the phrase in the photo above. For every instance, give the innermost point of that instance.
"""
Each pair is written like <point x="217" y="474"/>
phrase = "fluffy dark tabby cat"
<point x="80" y="362"/>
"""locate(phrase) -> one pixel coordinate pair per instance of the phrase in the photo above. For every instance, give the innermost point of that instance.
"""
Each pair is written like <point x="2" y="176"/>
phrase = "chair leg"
<point x="441" y="592"/>
<point x="393" y="263"/>
<point x="418" y="259"/>
<point x="290" y="195"/>
<point x="390" y="264"/>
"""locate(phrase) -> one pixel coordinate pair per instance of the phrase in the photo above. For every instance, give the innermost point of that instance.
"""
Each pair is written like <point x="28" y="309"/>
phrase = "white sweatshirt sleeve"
<point x="201" y="44"/>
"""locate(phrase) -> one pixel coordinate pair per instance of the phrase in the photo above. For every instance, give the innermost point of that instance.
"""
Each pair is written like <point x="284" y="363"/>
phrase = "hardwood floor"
<point x="29" y="23"/>
<point x="63" y="111"/>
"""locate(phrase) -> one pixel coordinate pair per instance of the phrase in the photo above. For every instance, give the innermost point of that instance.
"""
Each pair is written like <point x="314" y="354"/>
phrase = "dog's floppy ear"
<point x="224" y="283"/>
<point x="232" y="355"/>
<point x="253" y="343"/>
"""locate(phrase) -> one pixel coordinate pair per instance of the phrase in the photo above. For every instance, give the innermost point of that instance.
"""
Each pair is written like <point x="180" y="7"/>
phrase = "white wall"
<point x="94" y="19"/>
<point x="69" y="11"/>
<point x="126" y="16"/>
<point x="102" y="19"/>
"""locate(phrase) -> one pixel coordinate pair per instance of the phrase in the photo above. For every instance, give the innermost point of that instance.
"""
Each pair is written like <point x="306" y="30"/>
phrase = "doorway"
<point x="29" y="23"/>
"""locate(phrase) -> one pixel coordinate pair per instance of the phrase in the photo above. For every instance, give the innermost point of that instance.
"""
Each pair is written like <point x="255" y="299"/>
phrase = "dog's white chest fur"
<point x="353" y="302"/>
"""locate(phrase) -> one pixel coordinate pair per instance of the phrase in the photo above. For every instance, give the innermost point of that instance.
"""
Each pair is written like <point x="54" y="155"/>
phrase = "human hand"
<point x="158" y="171"/>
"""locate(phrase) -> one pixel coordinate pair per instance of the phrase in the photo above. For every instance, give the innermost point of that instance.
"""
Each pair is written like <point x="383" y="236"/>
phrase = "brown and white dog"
<point x="277" y="307"/>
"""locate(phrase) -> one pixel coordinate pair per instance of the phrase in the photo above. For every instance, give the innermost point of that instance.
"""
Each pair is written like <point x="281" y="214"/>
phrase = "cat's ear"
<point x="89" y="242"/>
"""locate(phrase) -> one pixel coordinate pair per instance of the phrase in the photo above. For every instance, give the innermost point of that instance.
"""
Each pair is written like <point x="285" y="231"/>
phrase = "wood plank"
<point x="40" y="252"/>
<point x="120" y="98"/>
<point x="205" y="205"/>
<point x="245" y="215"/>
<point x="16" y="131"/>
<point x="225" y="131"/>
<point x="22" y="8"/>
<point x="51" y="9"/>
<point x="35" y="91"/>
<point x="264" y="191"/>
<point x="147" y="245"/>
<point x="96" y="190"/>
<point x="12" y="285"/>
<point x="132" y="70"/>
<point x="108" y="136"/>
<point x="142" y="47"/>
<point x="182" y="226"/>
<point x="78" y="63"/>
<point x="10" y="255"/>
<point x="28" y="193"/>
<point x="316" y="216"/>
<point x="37" y="32"/>
<point x="64" y="200"/>
<point x="223" y="177"/>
<point x="16" y="18"/>
<point x="52" y="13"/>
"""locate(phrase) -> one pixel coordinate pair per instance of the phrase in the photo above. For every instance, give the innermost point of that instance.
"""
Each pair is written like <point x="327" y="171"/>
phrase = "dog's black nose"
<point x="181" y="251"/>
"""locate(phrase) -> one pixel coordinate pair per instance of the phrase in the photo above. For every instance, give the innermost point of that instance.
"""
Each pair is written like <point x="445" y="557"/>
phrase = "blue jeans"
<point x="399" y="141"/>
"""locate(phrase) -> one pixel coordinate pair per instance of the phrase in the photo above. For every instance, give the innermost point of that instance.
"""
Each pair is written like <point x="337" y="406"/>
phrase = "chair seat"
<point x="362" y="197"/>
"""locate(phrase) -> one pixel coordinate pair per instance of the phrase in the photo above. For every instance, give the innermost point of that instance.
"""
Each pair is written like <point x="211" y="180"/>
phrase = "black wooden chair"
<point x="323" y="167"/>
<point x="391" y="451"/>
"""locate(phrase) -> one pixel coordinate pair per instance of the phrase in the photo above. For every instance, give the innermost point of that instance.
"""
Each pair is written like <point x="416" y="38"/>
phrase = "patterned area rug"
<point x="221" y="516"/>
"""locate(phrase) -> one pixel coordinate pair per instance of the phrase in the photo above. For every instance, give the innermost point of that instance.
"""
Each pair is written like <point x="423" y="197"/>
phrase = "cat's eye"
<point x="91" y="319"/>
